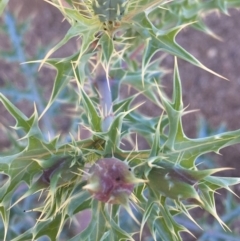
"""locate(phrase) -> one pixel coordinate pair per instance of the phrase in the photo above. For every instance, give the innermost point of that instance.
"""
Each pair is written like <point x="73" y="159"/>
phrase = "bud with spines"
<point x="111" y="181"/>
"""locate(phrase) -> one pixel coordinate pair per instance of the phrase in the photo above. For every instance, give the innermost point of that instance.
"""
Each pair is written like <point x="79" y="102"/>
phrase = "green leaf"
<point x="174" y="118"/>
<point x="82" y="27"/>
<point x="49" y="228"/>
<point x="171" y="181"/>
<point x="78" y="202"/>
<point x="90" y="108"/>
<point x="117" y="233"/>
<point x="114" y="134"/>
<point x="190" y="149"/>
<point x="146" y="214"/>
<point x="208" y="200"/>
<point x="99" y="218"/>
<point x="97" y="226"/>
<point x="177" y="89"/>
<point x="107" y="48"/>
<point x="162" y="225"/>
<point x="29" y="125"/>
<point x="155" y="149"/>
<point x="22" y="121"/>
<point x="64" y="69"/>
<point x="147" y="88"/>
<point x="217" y="182"/>
<point x="157" y="40"/>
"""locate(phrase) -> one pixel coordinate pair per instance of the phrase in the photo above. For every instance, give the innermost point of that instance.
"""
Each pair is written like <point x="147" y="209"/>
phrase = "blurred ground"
<point x="216" y="99"/>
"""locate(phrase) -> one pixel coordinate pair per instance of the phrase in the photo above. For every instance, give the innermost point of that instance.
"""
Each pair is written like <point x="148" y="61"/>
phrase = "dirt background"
<point x="217" y="100"/>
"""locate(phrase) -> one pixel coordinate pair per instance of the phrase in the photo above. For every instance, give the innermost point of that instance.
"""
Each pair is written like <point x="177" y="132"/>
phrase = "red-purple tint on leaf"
<point x="111" y="180"/>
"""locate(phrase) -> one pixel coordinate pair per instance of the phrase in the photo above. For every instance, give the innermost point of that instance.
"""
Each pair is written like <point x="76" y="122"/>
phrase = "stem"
<point x="104" y="89"/>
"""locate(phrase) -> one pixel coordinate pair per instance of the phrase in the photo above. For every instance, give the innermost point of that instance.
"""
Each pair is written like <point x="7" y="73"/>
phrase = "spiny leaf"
<point x="114" y="132"/>
<point x="36" y="187"/>
<point x="21" y="171"/>
<point x="158" y="223"/>
<point x="156" y="140"/>
<point x="78" y="202"/>
<point x="192" y="148"/>
<point x="173" y="228"/>
<point x="164" y="179"/>
<point x="83" y="27"/>
<point x="21" y="119"/>
<point x="96" y="228"/>
<point x="90" y="108"/>
<point x="184" y="209"/>
<point x="147" y="89"/>
<point x="177" y="143"/>
<point x="216" y="182"/>
<point x="29" y="125"/>
<point x="122" y="105"/>
<point x="107" y="48"/>
<point x="118" y="233"/>
<point x="177" y="89"/>
<point x="164" y="40"/>
<point x="174" y="118"/>
<point x="146" y="214"/>
<point x="100" y="220"/>
<point x="64" y="70"/>
<point x="208" y="200"/>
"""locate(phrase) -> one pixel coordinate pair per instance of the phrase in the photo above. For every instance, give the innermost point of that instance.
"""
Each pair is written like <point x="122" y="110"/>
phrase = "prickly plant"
<point x="107" y="172"/>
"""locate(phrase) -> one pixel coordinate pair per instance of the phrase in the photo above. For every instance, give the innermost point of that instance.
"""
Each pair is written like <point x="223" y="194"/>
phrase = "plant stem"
<point x="104" y="89"/>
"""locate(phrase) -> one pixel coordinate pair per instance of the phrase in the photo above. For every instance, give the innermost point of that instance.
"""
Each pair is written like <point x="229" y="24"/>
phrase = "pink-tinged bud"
<point x="111" y="180"/>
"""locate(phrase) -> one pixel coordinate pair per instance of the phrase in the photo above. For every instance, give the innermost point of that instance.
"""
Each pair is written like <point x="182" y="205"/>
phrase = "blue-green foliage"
<point x="58" y="170"/>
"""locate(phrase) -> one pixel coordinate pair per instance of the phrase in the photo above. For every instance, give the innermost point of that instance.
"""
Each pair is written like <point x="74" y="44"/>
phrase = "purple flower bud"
<point x="111" y="180"/>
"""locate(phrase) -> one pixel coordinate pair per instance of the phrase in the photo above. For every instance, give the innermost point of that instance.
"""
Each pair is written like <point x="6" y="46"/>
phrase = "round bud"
<point x="110" y="180"/>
